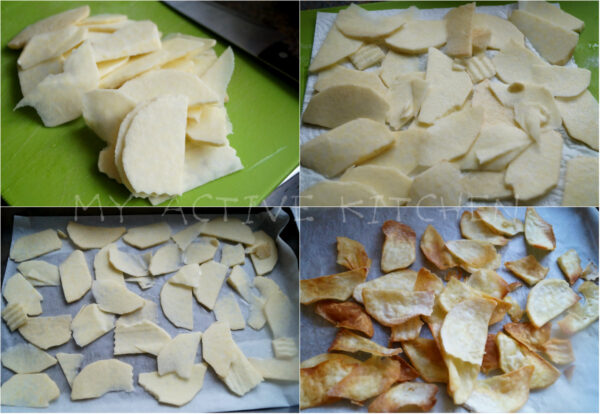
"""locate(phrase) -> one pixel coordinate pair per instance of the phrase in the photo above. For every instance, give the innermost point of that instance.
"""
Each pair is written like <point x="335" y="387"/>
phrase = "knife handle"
<point x="279" y="56"/>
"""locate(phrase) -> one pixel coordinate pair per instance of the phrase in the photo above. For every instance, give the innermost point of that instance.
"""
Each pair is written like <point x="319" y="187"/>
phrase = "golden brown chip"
<point x="590" y="272"/>
<point x="407" y="372"/>
<point x="393" y="307"/>
<point x="461" y="378"/>
<point x="581" y="316"/>
<point x="406" y="331"/>
<point x="434" y="248"/>
<point x="527" y="269"/>
<point x="402" y="279"/>
<point x="559" y="351"/>
<point x="316" y="360"/>
<point x="496" y="221"/>
<point x="315" y="382"/>
<point x="348" y="315"/>
<point x="351" y="342"/>
<point x="454" y="273"/>
<point x="352" y="254"/>
<point x="490" y="357"/>
<point x="435" y="320"/>
<point x="489" y="282"/>
<point x="427" y="359"/>
<point x="538" y="233"/>
<point x="570" y="264"/>
<point x="528" y="335"/>
<point x="399" y="246"/>
<point x="514" y="286"/>
<point x="548" y="299"/>
<point x="407" y="396"/>
<point x="515" y="311"/>
<point x="473" y="228"/>
<point x="474" y="254"/>
<point x="428" y="282"/>
<point x="338" y="286"/>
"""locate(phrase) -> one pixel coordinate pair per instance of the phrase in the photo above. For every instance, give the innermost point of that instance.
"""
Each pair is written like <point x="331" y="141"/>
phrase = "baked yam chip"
<point x="473" y="228"/>
<point x="399" y="247"/>
<point x="515" y="311"/>
<point x="428" y="282"/>
<point x="570" y="264"/>
<point x="496" y="221"/>
<point x="474" y="254"/>
<point x="548" y="299"/>
<point x="530" y="336"/>
<point x="352" y="254"/>
<point x="402" y="279"/>
<point x="393" y="307"/>
<point x="316" y="381"/>
<point x="538" y="233"/>
<point x="461" y="378"/>
<point x="407" y="331"/>
<point x="590" y="272"/>
<point x="351" y="342"/>
<point x="426" y="357"/>
<point x="490" y="357"/>
<point x="348" y="315"/>
<point x="489" y="282"/>
<point x="581" y="316"/>
<point x="338" y="286"/>
<point x="527" y="269"/>
<point x="407" y="396"/>
<point x="559" y="351"/>
<point x="434" y="248"/>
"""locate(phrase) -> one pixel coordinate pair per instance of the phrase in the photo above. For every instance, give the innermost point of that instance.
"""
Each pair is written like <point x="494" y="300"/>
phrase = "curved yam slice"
<point x="40" y="273"/>
<point x="34" y="245"/>
<point x="581" y="182"/>
<point x="218" y="348"/>
<point x="581" y="316"/>
<point x="242" y="377"/>
<point x="276" y="369"/>
<point x="47" y="331"/>
<point x="461" y="378"/>
<point x="165" y="260"/>
<point x="126" y="263"/>
<point x="562" y="81"/>
<point x="339" y="194"/>
<point x="284" y="348"/>
<point x="434" y="248"/>
<point x="150" y="235"/>
<point x="217" y="77"/>
<point x="29" y="390"/>
<point x="396" y="63"/>
<point x="392" y="308"/>
<point x="351" y="254"/>
<point x="230" y="228"/>
<point x="75" y="276"/>
<point x="477" y="254"/>
<point x="341" y="75"/>
<point x="340" y="104"/>
<point x="473" y="228"/>
<point x="176" y="303"/>
<point x="93" y="237"/>
<point x="528" y="269"/>
<point x="114" y="297"/>
<point x="334" y="48"/>
<point x="459" y="25"/>
<point x="553" y="14"/>
<point x="201" y="252"/>
<point x="515" y="63"/>
<point x="502" y="30"/>
<point x="438" y="185"/>
<point x="402" y="279"/>
<point x="555" y="43"/>
<point x="135" y="38"/>
<point x="390" y="183"/>
<point x="559" y="351"/>
<point x="528" y="335"/>
<point x="505" y="393"/>
<point x="212" y="276"/>
<point x="141" y="337"/>
<point x="356" y="22"/>
<point x="29" y="78"/>
<point x="485" y="185"/>
<point x="367" y="56"/>
<point x="488" y="282"/>
<point x="100" y="377"/>
<point x="171" y="389"/>
<point x="570" y="264"/>
<point x="26" y="359"/>
<point x="268" y="251"/>
<point x="548" y="299"/>
<point x="493" y="111"/>
<point x="350" y="342"/>
<point x="538" y="232"/>
<point x="50" y="45"/>
<point x="399" y="247"/>
<point x="345" y="315"/>
<point x="104" y="110"/>
<point x="227" y="310"/>
<point x="210" y="126"/>
<point x="580" y="118"/>
<point x="338" y="286"/>
<point x="188" y="275"/>
<point x="178" y="355"/>
<point x="417" y="36"/>
<point x="498" y="140"/>
<point x="405" y="396"/>
<point x="19" y="291"/>
<point x="91" y="323"/>
<point x="496" y="221"/>
<point x="69" y="364"/>
<point x="426" y="357"/>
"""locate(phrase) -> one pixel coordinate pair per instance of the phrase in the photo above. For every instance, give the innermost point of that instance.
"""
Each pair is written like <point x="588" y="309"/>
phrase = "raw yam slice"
<point x="340" y="75"/>
<point x="367" y="56"/>
<point x="417" y="36"/>
<point x="227" y="310"/>
<point x="211" y="125"/>
<point x="396" y="63"/>
<point x="29" y="78"/>
<point x="339" y="194"/>
<point x="264" y="253"/>
<point x="218" y="347"/>
<point x="438" y="185"/>
<point x="93" y="237"/>
<point x="581" y="182"/>
<point x="135" y="38"/>
<point x="178" y="356"/>
<point x="217" y="77"/>
<point x="334" y="48"/>
<point x="69" y="364"/>
<point x="100" y="377"/>
<point x="201" y="252"/>
<point x="14" y="315"/>
<point x="388" y="182"/>
<point x="104" y="110"/>
<point x="580" y="118"/>
<point x="212" y="276"/>
<point x="165" y="260"/>
<point x="485" y="185"/>
<point x="26" y="359"/>
<point x="232" y="255"/>
<point x="29" y="390"/>
<point x="187" y="235"/>
<point x="18" y="290"/>
<point x="34" y="245"/>
<point x="459" y="26"/>
<point x="356" y="22"/>
<point x="75" y="276"/>
<point x="562" y="81"/>
<point x="147" y="236"/>
<point x="553" y="14"/>
<point x="276" y="369"/>
<point x="404" y="153"/>
<point x="230" y="229"/>
<point x="176" y="302"/>
<point x="126" y="263"/>
<point x="171" y="389"/>
<point x="514" y="62"/>
<point x="114" y="297"/>
<point x="502" y="30"/>
<point x="91" y="323"/>
<point x="47" y="331"/>
<point x="141" y="337"/>
<point x="46" y="46"/>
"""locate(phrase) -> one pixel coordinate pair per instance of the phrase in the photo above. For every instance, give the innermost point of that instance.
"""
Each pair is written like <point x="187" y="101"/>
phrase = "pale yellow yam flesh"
<point x="438" y="185"/>
<point x="212" y="276"/>
<point x="19" y="291"/>
<point x="26" y="359"/>
<point x="580" y="118"/>
<point x="459" y="24"/>
<point x="29" y="390"/>
<point x="562" y="81"/>
<point x="210" y="126"/>
<point x="417" y="36"/>
<point x="47" y="331"/>
<point x="104" y="18"/>
<point x="50" y="45"/>
<point x="581" y="182"/>
<point x="340" y="104"/>
<point x="338" y="193"/>
<point x="150" y="235"/>
<point x="171" y="389"/>
<point x="265" y="262"/>
<point x="498" y="140"/>
<point x="100" y="377"/>
<point x="553" y="42"/>
<point x="349" y="144"/>
<point x="69" y="364"/>
<point x="514" y="63"/>
<point x="396" y="63"/>
<point x="553" y="14"/>
<point x="131" y="338"/>
<point x="334" y="48"/>
<point x="502" y="30"/>
<point x="340" y="75"/>
<point x="75" y="276"/>
<point x="356" y="22"/>
<point x="389" y="182"/>
<point x="93" y="237"/>
<point x="230" y="228"/>
<point x="91" y="323"/>
<point x="406" y="93"/>
<point x="176" y="302"/>
<point x="29" y="78"/>
<point x="204" y="163"/>
<point x="217" y="77"/>
<point x="403" y="155"/>
<point x="493" y="111"/>
<point x="165" y="260"/>
<point x="104" y="110"/>
<point x="114" y="297"/>
<point x="485" y="185"/>
<point x="104" y="68"/>
<point x="367" y="56"/>
<point x="132" y="39"/>
<point x="178" y="355"/>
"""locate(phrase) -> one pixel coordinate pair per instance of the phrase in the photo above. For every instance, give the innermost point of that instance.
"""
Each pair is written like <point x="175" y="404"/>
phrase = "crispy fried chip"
<point x="345" y="315"/>
<point x="352" y="254"/>
<point x="474" y="254"/>
<point x="590" y="272"/>
<point x="570" y="264"/>
<point x="490" y="357"/>
<point x="559" y="351"/>
<point x="402" y="279"/>
<point x="393" y="307"/>
<point x="461" y="378"/>
<point x="496" y="221"/>
<point x="514" y="286"/>
<point x="316" y="381"/>
<point x="473" y="228"/>
<point x="399" y="247"/>
<point x="581" y="316"/>
<point x="434" y="248"/>
<point x="515" y="311"/>
<point x="427" y="359"/>
<point x="435" y="320"/>
<point x="317" y="359"/>
<point x="428" y="282"/>
<point x="527" y="269"/>
<point x="338" y="286"/>
<point x="464" y="331"/>
<point x="548" y="299"/>
<point x="351" y="342"/>
<point x="454" y="273"/>
<point x="367" y="379"/>
<point x="514" y="356"/>
<point x="405" y="397"/>
<point x="538" y="233"/>
<point x="530" y="336"/>
<point x="505" y="393"/>
<point x="406" y="331"/>
<point x="488" y="281"/>
<point x="457" y="291"/>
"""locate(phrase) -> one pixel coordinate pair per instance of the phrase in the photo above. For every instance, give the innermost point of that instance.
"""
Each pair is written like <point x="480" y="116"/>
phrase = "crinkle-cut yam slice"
<point x="451" y="136"/>
<point x="29" y="390"/>
<point x="402" y="279"/>
<point x="100" y="377"/>
<point x="367" y="379"/>
<point x="581" y="182"/>
<point x="114" y="297"/>
<point x="334" y="48"/>
<point x="47" y="331"/>
<point x="554" y="43"/>
<point x="562" y="81"/>
<point x="530" y="336"/>
<point x="479" y="67"/>
<point x="581" y="316"/>
<point x="514" y="63"/>
<point x="367" y="56"/>
<point x="461" y="378"/>
<point x="459" y="26"/>
<point x="552" y="14"/>
<point x="496" y="221"/>
<point x="570" y="264"/>
<point x="352" y="254"/>
<point x="338" y="286"/>
<point x="515" y="312"/>
<point x="356" y="22"/>
<point x="417" y="36"/>
<point x="473" y="228"/>
<point x="392" y="308"/>
<point x="447" y="88"/>
<point x="18" y="290"/>
<point x="284" y="348"/>
<point x="426" y="357"/>
<point x="317" y="380"/>
<point x="490" y="360"/>
<point x="341" y="75"/>
<point x="172" y="389"/>
<point x="438" y="185"/>
<point x="548" y="299"/>
<point x="14" y="315"/>
<point x="351" y="342"/>
<point x="502" y="30"/>
<point x="433" y="247"/>
<point x="93" y="237"/>
<point x="34" y="245"/>
<point x="340" y="104"/>
<point x="502" y="393"/>
<point x="474" y="254"/>
<point x="580" y="117"/>
<point x="406" y="331"/>
<point x="340" y="194"/>
<point x="538" y="232"/>
<point x="489" y="282"/>
<point x="485" y="185"/>
<point x="559" y="351"/>
<point x="26" y="359"/>
<point x="399" y="246"/>
<point x="514" y="356"/>
<point x="388" y="182"/>
<point x="405" y="397"/>
<point x="527" y="269"/>
<point x="347" y="315"/>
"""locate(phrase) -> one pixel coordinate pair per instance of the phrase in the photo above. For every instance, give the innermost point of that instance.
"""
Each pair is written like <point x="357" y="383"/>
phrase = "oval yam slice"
<point x="93" y="237"/>
<point x="100" y="377"/>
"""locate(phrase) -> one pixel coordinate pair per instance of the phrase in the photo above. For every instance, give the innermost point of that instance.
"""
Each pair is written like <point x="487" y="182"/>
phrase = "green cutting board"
<point x="586" y="52"/>
<point x="57" y="166"/>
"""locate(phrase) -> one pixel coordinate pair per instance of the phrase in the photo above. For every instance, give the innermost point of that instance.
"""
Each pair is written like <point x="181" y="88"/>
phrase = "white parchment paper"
<point x="574" y="229"/>
<point x="214" y="396"/>
<point x="571" y="148"/>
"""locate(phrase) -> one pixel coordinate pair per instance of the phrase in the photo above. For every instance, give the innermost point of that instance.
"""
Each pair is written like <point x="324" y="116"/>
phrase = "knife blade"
<point x="261" y="42"/>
